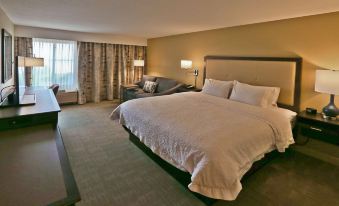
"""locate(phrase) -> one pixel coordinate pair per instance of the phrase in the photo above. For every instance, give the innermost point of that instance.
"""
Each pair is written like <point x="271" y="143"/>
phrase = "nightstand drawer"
<point x="321" y="133"/>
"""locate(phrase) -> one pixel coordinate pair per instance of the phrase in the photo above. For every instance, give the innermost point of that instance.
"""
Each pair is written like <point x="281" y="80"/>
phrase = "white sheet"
<point x="216" y="140"/>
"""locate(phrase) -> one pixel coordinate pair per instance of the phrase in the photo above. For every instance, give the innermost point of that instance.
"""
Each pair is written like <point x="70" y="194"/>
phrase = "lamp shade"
<point x="186" y="64"/>
<point x="327" y="81"/>
<point x="33" y="62"/>
<point x="139" y="63"/>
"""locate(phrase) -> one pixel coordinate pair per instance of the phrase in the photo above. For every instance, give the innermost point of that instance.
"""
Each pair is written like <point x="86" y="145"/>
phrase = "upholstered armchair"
<point x="165" y="87"/>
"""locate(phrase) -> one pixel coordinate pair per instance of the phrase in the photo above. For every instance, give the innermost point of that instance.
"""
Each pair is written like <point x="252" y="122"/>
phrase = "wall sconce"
<point x="187" y="64"/>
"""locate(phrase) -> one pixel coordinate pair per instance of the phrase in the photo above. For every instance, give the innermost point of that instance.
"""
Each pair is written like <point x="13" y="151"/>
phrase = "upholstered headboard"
<point x="262" y="71"/>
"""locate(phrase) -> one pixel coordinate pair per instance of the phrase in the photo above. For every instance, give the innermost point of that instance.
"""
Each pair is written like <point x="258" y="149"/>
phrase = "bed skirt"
<point x="184" y="178"/>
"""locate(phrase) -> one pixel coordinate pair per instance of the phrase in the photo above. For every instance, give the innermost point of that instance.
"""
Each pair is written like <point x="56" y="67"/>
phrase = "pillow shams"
<point x="217" y="88"/>
<point x="150" y="86"/>
<point x="255" y="95"/>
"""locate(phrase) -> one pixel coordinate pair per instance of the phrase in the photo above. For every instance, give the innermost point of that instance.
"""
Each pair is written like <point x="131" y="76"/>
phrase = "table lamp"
<point x="139" y="66"/>
<point x="327" y="81"/>
<point x="139" y="63"/>
<point x="32" y="62"/>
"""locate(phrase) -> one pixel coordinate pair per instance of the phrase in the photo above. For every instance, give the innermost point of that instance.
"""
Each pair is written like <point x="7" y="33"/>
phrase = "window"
<point x="60" y="63"/>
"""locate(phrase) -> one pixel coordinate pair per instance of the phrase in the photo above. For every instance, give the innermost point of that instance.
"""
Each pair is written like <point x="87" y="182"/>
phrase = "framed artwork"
<point x="6" y="56"/>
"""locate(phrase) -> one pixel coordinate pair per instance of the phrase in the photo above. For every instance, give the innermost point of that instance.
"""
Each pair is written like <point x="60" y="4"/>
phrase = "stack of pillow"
<point x="265" y="97"/>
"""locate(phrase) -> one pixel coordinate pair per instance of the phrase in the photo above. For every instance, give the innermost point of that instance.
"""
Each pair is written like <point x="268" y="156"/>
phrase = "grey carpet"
<point x="109" y="170"/>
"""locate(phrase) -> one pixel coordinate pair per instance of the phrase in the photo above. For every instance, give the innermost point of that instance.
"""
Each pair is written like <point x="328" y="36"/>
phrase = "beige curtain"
<point x="102" y="68"/>
<point x="23" y="46"/>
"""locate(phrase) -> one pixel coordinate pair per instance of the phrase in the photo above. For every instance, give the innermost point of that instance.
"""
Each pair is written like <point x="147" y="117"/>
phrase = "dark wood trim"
<point x="297" y="85"/>
<point x="73" y="194"/>
<point x="285" y="59"/>
<point x="3" y="32"/>
<point x="2" y="56"/>
<point x="297" y="88"/>
<point x="184" y="178"/>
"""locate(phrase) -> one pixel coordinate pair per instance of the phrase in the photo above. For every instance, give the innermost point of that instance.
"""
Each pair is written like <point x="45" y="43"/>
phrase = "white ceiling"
<point x="155" y="18"/>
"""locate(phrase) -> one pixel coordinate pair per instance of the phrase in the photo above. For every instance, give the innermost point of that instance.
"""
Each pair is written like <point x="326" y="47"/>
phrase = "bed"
<point x="210" y="143"/>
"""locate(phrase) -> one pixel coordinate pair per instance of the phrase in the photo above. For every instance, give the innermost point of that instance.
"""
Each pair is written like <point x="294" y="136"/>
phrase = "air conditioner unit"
<point x="67" y="97"/>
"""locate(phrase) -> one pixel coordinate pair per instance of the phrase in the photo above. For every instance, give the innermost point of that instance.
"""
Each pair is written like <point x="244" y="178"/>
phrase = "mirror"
<point x="6" y="56"/>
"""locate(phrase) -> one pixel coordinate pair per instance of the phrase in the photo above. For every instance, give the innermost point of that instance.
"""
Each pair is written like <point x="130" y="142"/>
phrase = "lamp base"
<point x="195" y="73"/>
<point x="330" y="111"/>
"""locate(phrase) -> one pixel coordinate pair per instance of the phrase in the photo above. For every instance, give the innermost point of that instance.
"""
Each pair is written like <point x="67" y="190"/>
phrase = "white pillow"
<point x="255" y="95"/>
<point x="217" y="88"/>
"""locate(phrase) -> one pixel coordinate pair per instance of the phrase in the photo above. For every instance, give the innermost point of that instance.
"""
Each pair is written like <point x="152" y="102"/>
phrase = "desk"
<point x="45" y="110"/>
<point x="34" y="167"/>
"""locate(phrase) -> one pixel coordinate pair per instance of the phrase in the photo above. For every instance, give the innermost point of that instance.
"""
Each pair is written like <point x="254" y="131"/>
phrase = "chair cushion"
<point x="142" y="95"/>
<point x="165" y="84"/>
<point x="146" y="78"/>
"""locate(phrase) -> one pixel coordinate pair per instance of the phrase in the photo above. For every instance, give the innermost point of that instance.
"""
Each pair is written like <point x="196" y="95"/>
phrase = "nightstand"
<point x="314" y="126"/>
<point x="185" y="89"/>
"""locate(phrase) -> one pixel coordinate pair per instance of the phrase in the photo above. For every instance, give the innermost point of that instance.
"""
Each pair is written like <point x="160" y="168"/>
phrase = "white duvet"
<point x="216" y="140"/>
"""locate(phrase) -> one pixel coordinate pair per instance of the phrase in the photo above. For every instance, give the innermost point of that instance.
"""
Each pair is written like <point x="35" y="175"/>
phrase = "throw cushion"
<point x="144" y="79"/>
<point x="150" y="86"/>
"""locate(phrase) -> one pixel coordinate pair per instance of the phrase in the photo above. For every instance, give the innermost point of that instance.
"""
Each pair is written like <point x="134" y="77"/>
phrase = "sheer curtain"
<point x="60" y="63"/>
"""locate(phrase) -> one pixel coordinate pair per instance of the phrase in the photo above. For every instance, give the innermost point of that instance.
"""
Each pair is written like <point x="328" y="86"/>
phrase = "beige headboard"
<point x="262" y="71"/>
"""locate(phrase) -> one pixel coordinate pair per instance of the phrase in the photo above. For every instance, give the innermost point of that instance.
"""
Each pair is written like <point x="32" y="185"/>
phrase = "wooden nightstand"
<point x="185" y="89"/>
<point x="314" y="126"/>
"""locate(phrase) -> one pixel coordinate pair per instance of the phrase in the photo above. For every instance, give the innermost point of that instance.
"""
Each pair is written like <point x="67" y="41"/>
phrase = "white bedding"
<point x="216" y="140"/>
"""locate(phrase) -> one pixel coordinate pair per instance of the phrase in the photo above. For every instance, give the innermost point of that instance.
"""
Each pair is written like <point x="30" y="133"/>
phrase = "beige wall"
<point x="26" y="31"/>
<point x="314" y="38"/>
<point x="6" y="23"/>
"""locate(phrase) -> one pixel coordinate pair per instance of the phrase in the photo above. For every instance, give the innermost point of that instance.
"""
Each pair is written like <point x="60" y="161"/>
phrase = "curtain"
<point x="60" y="63"/>
<point x="104" y="67"/>
<point x="23" y="47"/>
